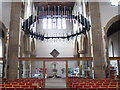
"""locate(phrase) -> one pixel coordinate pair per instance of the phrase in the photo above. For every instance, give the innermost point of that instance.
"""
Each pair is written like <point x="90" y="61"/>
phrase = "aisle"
<point x="55" y="83"/>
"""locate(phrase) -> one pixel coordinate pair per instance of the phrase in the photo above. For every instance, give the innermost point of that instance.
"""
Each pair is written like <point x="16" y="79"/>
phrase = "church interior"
<point x="60" y="45"/>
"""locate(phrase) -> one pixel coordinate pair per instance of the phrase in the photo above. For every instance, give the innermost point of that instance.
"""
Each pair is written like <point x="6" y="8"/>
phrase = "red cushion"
<point x="34" y="86"/>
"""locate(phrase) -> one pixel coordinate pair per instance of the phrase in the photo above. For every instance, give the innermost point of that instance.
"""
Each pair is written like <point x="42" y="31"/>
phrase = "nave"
<point x="60" y="44"/>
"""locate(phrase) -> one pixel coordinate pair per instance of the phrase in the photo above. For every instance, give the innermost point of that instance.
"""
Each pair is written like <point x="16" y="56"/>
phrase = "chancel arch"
<point x="112" y="33"/>
<point x="106" y="28"/>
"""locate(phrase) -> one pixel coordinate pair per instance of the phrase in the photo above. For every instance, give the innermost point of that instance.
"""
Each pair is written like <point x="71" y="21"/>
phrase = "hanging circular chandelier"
<point x="40" y="14"/>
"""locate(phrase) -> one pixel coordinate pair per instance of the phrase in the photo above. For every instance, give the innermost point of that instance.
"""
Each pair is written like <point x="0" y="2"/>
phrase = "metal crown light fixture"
<point x="81" y="19"/>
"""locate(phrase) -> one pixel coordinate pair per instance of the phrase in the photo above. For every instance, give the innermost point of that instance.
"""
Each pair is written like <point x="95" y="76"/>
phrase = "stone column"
<point x="82" y="51"/>
<point x="27" y="48"/>
<point x="33" y="54"/>
<point x="89" y="44"/>
<point x="75" y="51"/>
<point x="89" y="53"/>
<point x="14" y="40"/>
<point x="82" y="45"/>
<point x="33" y="51"/>
<point x="97" y="40"/>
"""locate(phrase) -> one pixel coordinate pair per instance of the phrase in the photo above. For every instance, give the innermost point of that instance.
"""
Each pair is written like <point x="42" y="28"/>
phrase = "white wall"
<point x="107" y="12"/>
<point x="0" y="10"/>
<point x="6" y="11"/>
<point x="115" y="39"/>
<point x="64" y="47"/>
<point x="44" y="48"/>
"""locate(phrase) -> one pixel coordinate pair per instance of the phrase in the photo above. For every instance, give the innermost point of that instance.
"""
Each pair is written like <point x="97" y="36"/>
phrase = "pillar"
<point x="89" y="52"/>
<point x="75" y="51"/>
<point x="33" y="51"/>
<point x="97" y="40"/>
<point x="82" y="45"/>
<point x="82" y="52"/>
<point x="27" y="53"/>
<point x="14" y="40"/>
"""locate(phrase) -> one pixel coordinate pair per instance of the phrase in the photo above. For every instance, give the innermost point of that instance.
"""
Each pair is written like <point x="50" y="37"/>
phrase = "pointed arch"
<point x="2" y="26"/>
<point x="111" y="21"/>
<point x="107" y="26"/>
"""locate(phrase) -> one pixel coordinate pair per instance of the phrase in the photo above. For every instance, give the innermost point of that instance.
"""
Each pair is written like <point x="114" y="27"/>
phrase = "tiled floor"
<point x="55" y="83"/>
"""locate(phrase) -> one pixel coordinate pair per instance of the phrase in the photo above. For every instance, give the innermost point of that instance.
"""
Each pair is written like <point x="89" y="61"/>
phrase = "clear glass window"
<point x="45" y="23"/>
<point x="54" y="23"/>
